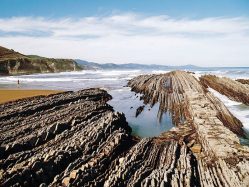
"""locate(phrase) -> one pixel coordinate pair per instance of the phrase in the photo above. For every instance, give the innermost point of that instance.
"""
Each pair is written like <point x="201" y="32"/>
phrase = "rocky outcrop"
<point x="243" y="81"/>
<point x="53" y="140"/>
<point x="14" y="63"/>
<point x="76" y="139"/>
<point x="173" y="91"/>
<point x="206" y="133"/>
<point x="232" y="89"/>
<point x="139" y="110"/>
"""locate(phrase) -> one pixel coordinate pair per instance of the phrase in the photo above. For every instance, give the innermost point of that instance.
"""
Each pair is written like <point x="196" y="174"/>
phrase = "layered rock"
<point x="76" y="139"/>
<point x="243" y="81"/>
<point x="234" y="90"/>
<point x="46" y="140"/>
<point x="173" y="91"/>
<point x="212" y="131"/>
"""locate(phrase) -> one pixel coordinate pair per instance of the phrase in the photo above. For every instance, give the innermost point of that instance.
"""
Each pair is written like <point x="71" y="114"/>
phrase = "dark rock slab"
<point x="45" y="139"/>
<point x="243" y="81"/>
<point x="139" y="110"/>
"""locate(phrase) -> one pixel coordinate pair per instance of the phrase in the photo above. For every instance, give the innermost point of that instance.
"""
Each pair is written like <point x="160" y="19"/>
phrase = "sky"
<point x="179" y="32"/>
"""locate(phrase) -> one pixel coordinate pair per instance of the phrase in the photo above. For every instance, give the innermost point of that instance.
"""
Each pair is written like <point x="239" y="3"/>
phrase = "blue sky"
<point x="175" y="32"/>
<point x="79" y="8"/>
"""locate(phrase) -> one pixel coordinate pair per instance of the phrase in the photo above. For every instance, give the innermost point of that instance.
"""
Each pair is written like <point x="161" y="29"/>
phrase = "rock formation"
<point x="243" y="81"/>
<point x="174" y="90"/>
<point x="55" y="139"/>
<point x="232" y="89"/>
<point x="209" y="152"/>
<point x="139" y="110"/>
<point x="76" y="139"/>
<point x="13" y="63"/>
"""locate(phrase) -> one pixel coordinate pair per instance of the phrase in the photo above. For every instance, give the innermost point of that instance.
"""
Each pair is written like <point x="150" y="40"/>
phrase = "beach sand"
<point x="11" y="95"/>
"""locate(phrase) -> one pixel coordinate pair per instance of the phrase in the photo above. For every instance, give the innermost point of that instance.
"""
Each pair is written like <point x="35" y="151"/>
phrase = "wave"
<point x="21" y="79"/>
<point x="15" y="79"/>
<point x="159" y="71"/>
<point x="238" y="109"/>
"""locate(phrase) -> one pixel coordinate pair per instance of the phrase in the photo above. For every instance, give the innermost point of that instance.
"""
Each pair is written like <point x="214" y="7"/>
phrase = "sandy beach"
<point x="11" y="95"/>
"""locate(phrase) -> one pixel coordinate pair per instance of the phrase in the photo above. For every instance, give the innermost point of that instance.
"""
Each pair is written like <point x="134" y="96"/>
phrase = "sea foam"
<point x="239" y="110"/>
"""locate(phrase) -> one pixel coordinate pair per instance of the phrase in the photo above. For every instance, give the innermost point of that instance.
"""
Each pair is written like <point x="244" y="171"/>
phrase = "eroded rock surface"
<point x="76" y="139"/>
<point x="57" y="139"/>
<point x="206" y="132"/>
<point x="235" y="90"/>
<point x="243" y="81"/>
<point x="175" y="90"/>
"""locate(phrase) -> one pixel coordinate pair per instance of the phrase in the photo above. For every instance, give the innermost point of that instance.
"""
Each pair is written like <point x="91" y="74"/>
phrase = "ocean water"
<point x="239" y="110"/>
<point x="147" y="123"/>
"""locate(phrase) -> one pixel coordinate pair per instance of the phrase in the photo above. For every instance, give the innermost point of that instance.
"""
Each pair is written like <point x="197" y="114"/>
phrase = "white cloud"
<point x="131" y="38"/>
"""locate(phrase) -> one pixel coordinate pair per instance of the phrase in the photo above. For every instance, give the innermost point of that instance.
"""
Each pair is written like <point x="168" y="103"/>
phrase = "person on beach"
<point x="18" y="82"/>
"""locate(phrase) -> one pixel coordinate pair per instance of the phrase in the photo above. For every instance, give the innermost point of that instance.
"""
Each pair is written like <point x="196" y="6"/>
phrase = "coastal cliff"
<point x="14" y="63"/>
<point x="77" y="139"/>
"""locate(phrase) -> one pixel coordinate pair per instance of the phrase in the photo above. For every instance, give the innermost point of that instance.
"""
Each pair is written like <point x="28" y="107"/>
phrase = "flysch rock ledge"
<point x="204" y="125"/>
<point x="64" y="139"/>
<point x="235" y="90"/>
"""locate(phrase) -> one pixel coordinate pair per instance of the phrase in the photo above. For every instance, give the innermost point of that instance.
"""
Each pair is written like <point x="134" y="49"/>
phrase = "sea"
<point x="124" y="100"/>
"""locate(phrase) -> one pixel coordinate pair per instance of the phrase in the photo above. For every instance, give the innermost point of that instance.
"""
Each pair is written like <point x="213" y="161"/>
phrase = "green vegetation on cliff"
<point x="14" y="63"/>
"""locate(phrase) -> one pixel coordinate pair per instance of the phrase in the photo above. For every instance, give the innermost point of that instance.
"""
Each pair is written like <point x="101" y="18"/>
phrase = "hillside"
<point x="131" y="66"/>
<point x="14" y="63"/>
<point x="9" y="53"/>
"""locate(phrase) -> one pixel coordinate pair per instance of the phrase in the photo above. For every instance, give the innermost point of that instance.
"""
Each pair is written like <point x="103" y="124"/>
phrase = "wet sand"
<point x="11" y="95"/>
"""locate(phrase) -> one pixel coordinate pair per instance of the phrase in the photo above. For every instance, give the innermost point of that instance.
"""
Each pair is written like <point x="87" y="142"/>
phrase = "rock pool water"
<point x="146" y="124"/>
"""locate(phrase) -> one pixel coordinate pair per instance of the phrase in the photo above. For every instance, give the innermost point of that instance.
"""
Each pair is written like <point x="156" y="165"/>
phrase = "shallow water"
<point x="147" y="123"/>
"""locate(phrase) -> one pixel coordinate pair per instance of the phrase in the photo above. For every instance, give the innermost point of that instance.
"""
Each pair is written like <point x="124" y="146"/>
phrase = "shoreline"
<point x="7" y="95"/>
<point x="48" y="137"/>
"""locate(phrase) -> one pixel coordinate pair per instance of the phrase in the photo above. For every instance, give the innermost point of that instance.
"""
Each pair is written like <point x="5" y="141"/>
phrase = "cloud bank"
<point x="132" y="38"/>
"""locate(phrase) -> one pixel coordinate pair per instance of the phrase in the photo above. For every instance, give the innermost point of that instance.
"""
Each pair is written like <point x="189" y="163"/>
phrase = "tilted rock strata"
<point x="243" y="81"/>
<point x="76" y="139"/>
<point x="221" y="159"/>
<point x="233" y="89"/>
<point x="164" y="161"/>
<point x="155" y="164"/>
<point x="45" y="139"/>
<point x="172" y="90"/>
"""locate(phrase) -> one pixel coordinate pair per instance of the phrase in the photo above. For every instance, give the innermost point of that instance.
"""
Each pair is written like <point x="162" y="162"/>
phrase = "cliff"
<point x="14" y="63"/>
